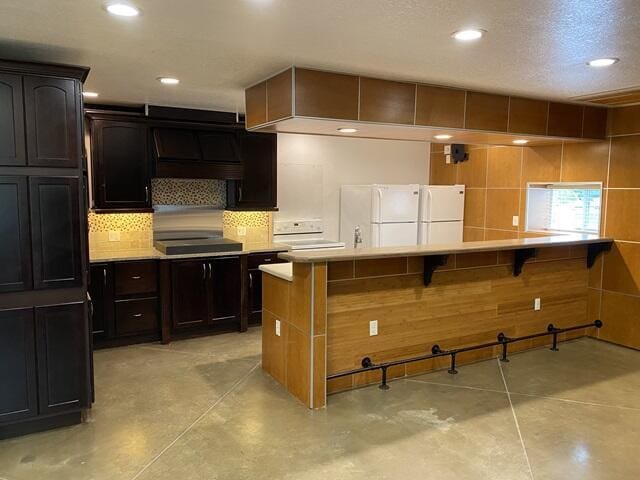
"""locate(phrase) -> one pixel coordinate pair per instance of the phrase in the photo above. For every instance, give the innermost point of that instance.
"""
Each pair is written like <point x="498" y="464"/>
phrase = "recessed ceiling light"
<point x="468" y="35"/>
<point x="442" y="136"/>
<point x="122" y="10"/>
<point x="521" y="141"/>
<point x="603" y="62"/>
<point x="90" y="94"/>
<point x="347" y="130"/>
<point x="168" y="80"/>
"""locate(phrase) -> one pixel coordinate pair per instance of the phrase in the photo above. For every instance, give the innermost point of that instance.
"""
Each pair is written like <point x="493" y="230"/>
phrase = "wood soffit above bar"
<point x="336" y="255"/>
<point x="300" y="100"/>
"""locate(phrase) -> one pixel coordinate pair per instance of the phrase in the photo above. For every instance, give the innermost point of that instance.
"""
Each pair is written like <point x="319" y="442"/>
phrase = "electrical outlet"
<point x="516" y="220"/>
<point x="241" y="231"/>
<point x="114" y="236"/>
<point x="277" y="328"/>
<point x="373" y="328"/>
<point x="536" y="304"/>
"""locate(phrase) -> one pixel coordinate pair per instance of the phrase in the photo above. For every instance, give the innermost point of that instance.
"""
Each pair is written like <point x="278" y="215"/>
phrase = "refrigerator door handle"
<point x="379" y="212"/>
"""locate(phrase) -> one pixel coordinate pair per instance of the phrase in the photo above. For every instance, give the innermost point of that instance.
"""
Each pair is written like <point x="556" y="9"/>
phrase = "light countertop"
<point x="335" y="255"/>
<point x="153" y="254"/>
<point x="280" y="270"/>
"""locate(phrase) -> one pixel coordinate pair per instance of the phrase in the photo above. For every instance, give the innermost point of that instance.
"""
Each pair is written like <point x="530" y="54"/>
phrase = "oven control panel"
<point x="298" y="226"/>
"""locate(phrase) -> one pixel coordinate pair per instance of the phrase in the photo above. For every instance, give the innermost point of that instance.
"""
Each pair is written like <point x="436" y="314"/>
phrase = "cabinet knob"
<point x="137" y="315"/>
<point x="136" y="277"/>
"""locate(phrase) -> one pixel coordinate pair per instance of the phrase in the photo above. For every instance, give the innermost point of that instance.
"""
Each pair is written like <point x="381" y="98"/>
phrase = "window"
<point x="564" y="207"/>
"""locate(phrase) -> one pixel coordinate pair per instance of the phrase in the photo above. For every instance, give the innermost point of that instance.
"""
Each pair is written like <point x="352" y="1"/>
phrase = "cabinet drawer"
<point x="136" y="277"/>
<point x="257" y="259"/>
<point x="136" y="316"/>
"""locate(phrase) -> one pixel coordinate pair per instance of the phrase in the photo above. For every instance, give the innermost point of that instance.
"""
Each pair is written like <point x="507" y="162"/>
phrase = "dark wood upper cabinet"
<point x="256" y="104"/>
<point x="12" y="142"/>
<point x="225" y="287"/>
<point x="528" y="116"/>
<point x="219" y="146"/>
<point x="61" y="333"/>
<point x="486" y="111"/>
<point x="51" y="117"/>
<point x="565" y="120"/>
<point x="385" y="101"/>
<point x="121" y="165"/>
<point x="326" y="94"/>
<point x="176" y="144"/>
<point x="258" y="188"/>
<point x="55" y="232"/>
<point x="15" y="242"/>
<point x="440" y="107"/>
<point x="279" y="95"/>
<point x="190" y="302"/>
<point x="19" y="397"/>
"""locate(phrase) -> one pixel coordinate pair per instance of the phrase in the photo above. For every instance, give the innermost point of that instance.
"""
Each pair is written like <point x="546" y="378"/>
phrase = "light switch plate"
<point x="373" y="328"/>
<point x="241" y="231"/>
<point x="114" y="236"/>
<point x="516" y="220"/>
<point x="536" y="304"/>
<point x="277" y="328"/>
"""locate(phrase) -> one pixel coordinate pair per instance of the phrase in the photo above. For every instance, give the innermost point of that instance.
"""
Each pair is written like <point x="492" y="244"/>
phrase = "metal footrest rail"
<point x="502" y="340"/>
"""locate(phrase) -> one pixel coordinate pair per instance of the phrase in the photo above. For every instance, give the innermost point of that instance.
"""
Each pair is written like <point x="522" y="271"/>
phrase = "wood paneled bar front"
<point x="316" y="320"/>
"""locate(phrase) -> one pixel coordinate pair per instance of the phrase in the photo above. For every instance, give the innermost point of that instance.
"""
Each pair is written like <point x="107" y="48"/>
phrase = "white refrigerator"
<point x="441" y="214"/>
<point x="387" y="215"/>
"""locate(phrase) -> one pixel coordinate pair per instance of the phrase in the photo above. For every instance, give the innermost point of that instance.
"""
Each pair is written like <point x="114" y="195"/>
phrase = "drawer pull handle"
<point x="136" y="277"/>
<point x="137" y="315"/>
<point x="267" y="260"/>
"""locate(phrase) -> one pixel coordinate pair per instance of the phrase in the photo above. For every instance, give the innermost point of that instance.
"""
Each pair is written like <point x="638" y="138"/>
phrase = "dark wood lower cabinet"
<point x="202" y="295"/>
<point x="125" y="303"/>
<point x="19" y="398"/>
<point x="254" y="284"/>
<point x="63" y="360"/>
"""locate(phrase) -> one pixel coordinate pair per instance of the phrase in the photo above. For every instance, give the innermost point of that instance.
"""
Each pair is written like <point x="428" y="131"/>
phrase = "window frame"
<point x="568" y="186"/>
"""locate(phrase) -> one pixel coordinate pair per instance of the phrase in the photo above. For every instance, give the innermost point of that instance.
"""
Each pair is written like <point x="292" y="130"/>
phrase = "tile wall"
<point x="496" y="179"/>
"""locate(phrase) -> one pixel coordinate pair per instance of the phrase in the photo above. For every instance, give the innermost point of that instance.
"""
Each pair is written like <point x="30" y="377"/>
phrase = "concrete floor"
<point x="203" y="409"/>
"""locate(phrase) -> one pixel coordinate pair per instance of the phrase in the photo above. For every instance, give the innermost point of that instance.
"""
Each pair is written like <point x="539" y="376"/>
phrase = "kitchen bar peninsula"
<point x="337" y="307"/>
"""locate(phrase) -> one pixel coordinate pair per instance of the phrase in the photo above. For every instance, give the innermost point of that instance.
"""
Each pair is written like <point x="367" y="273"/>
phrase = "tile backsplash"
<point x="120" y="231"/>
<point x="179" y="191"/>
<point x="248" y="227"/>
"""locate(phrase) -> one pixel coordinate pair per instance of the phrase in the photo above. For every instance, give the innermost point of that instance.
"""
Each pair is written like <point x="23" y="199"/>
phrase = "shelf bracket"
<point x="595" y="249"/>
<point x="430" y="264"/>
<point x="520" y="257"/>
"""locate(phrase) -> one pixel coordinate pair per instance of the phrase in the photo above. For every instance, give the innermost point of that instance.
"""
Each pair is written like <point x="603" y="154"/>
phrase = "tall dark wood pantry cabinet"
<point x="44" y="327"/>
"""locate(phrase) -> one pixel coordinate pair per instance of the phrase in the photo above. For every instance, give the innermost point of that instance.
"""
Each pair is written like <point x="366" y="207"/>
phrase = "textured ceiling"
<point x="217" y="47"/>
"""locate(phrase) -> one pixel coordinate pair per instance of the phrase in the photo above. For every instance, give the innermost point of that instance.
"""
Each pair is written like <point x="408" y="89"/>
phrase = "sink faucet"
<point x="357" y="237"/>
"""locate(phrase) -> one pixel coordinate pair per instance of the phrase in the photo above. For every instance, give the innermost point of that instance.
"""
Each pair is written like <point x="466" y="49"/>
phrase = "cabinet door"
<point x="55" y="231"/>
<point x="51" y="117"/>
<point x="121" y="165"/>
<point x="219" y="146"/>
<point x="176" y="144"/>
<point x="15" y="244"/>
<point x="100" y="290"/>
<point x="225" y="288"/>
<point x="61" y="348"/>
<point x="255" y="297"/>
<point x="258" y="187"/>
<point x="12" y="149"/>
<point x="190" y="305"/>
<point x="17" y="365"/>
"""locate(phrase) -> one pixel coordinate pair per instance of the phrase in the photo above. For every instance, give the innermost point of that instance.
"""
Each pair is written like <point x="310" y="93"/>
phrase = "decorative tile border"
<point x="179" y="191"/>
<point x="122" y="222"/>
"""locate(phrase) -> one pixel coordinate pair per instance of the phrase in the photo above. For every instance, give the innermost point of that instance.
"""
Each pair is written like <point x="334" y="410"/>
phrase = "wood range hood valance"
<point x="301" y="100"/>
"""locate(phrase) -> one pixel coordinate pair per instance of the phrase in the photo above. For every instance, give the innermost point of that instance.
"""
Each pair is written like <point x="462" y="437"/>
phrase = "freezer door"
<point x="441" y="203"/>
<point x="394" y="203"/>
<point x="440" y="232"/>
<point x="393" y="234"/>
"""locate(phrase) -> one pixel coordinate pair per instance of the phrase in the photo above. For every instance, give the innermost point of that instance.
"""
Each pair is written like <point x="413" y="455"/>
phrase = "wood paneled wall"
<point x="496" y="179"/>
<point x="337" y="96"/>
<point x="470" y="300"/>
